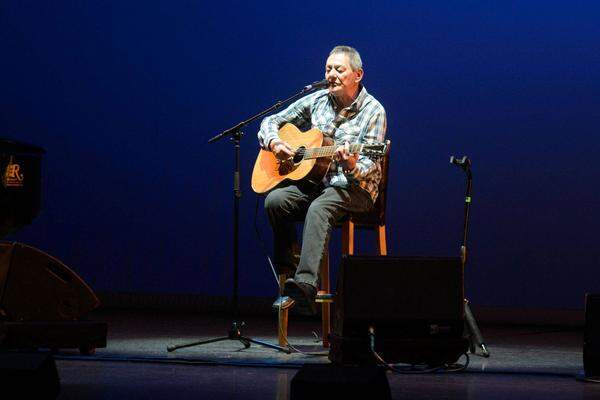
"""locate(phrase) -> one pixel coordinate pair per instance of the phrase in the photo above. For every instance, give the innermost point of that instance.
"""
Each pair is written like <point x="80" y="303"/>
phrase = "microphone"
<point x="464" y="163"/>
<point x="316" y="85"/>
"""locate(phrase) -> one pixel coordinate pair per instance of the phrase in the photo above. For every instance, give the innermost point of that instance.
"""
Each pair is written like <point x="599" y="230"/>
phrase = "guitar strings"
<point x="325" y="151"/>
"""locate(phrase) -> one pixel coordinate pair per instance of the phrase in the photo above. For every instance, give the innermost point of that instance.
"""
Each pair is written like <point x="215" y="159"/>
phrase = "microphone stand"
<point x="475" y="337"/>
<point x="235" y="134"/>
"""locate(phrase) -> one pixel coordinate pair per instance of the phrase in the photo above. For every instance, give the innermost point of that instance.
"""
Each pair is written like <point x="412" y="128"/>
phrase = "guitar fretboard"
<point x="325" y="151"/>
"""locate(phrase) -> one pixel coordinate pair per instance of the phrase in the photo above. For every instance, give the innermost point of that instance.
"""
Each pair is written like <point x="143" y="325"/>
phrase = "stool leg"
<point x="381" y="240"/>
<point x="325" y="306"/>
<point x="348" y="238"/>
<point x="282" y="316"/>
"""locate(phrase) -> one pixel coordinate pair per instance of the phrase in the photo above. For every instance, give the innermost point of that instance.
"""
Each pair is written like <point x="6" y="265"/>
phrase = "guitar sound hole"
<point x="299" y="155"/>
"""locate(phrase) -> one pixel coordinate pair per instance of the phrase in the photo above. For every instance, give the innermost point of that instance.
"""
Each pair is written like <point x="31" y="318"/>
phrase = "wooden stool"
<point x="372" y="220"/>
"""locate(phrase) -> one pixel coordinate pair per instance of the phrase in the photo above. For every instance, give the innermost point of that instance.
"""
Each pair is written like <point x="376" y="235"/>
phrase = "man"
<point x="348" y="114"/>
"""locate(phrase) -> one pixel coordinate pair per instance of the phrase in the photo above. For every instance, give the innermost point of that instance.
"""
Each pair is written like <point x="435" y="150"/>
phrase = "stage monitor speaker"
<point x="326" y="381"/>
<point x="414" y="304"/>
<point x="35" y="286"/>
<point x="28" y="375"/>
<point x="591" y="336"/>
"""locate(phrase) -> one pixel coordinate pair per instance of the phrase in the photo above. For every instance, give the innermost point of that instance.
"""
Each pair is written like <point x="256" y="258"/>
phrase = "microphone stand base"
<point x="235" y="333"/>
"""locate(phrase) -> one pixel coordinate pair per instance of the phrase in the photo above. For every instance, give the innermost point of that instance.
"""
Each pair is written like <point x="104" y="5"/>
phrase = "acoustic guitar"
<point x="313" y="154"/>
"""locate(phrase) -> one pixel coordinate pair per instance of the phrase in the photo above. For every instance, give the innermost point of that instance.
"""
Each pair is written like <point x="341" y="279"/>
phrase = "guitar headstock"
<point x="374" y="150"/>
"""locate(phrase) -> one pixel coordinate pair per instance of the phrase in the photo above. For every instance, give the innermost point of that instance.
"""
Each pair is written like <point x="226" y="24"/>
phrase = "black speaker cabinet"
<point x="28" y="376"/>
<point x="591" y="336"/>
<point x="35" y="286"/>
<point x="414" y="304"/>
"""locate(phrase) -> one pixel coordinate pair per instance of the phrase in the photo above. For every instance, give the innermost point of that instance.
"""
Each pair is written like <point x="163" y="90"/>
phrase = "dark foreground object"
<point x="591" y="338"/>
<point x="86" y="336"/>
<point x="28" y="375"/>
<point x="338" y="382"/>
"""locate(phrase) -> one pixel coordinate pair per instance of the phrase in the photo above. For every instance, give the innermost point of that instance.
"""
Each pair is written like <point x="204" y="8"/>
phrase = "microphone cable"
<point x="263" y="245"/>
<point x="411" y="369"/>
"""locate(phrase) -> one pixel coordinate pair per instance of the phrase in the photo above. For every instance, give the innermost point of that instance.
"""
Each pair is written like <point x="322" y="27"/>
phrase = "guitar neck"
<point x="328" y="151"/>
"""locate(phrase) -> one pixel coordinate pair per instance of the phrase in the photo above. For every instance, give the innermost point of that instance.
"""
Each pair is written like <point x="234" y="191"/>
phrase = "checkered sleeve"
<point x="375" y="132"/>
<point x="297" y="113"/>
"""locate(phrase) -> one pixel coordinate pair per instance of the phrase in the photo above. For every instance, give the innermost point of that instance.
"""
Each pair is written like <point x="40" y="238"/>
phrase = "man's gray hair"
<point x="352" y="53"/>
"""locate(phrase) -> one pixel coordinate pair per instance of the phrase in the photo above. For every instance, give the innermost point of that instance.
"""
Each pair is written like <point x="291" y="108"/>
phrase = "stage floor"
<point x="526" y="362"/>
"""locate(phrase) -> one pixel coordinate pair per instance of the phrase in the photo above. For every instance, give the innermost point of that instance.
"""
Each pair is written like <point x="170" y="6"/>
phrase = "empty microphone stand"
<point x="475" y="338"/>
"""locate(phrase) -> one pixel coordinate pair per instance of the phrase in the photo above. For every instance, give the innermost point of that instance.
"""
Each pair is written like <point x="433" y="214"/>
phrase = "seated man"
<point x="348" y="114"/>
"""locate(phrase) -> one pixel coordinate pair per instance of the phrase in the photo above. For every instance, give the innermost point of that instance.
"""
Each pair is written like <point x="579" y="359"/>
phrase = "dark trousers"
<point x="319" y="208"/>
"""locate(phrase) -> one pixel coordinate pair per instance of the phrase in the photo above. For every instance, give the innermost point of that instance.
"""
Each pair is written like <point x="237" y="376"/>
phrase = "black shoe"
<point x="304" y="295"/>
<point x="283" y="302"/>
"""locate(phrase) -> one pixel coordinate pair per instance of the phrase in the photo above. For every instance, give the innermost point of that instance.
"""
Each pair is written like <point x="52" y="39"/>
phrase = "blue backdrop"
<point x="124" y="95"/>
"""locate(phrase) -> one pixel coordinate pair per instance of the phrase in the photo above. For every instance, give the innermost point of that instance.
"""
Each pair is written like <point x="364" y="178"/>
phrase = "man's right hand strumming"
<point x="281" y="149"/>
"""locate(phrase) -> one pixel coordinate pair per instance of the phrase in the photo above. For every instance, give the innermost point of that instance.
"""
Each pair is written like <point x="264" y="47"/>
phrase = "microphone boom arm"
<point x="237" y="129"/>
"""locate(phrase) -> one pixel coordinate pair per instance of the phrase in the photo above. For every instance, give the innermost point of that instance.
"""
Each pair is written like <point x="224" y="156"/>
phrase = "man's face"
<point x="342" y="79"/>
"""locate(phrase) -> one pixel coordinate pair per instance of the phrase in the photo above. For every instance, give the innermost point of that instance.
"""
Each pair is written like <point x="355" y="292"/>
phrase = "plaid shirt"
<point x="363" y="121"/>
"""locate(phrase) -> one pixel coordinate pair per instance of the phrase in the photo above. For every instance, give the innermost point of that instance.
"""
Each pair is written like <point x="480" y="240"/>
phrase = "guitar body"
<point x="269" y="172"/>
